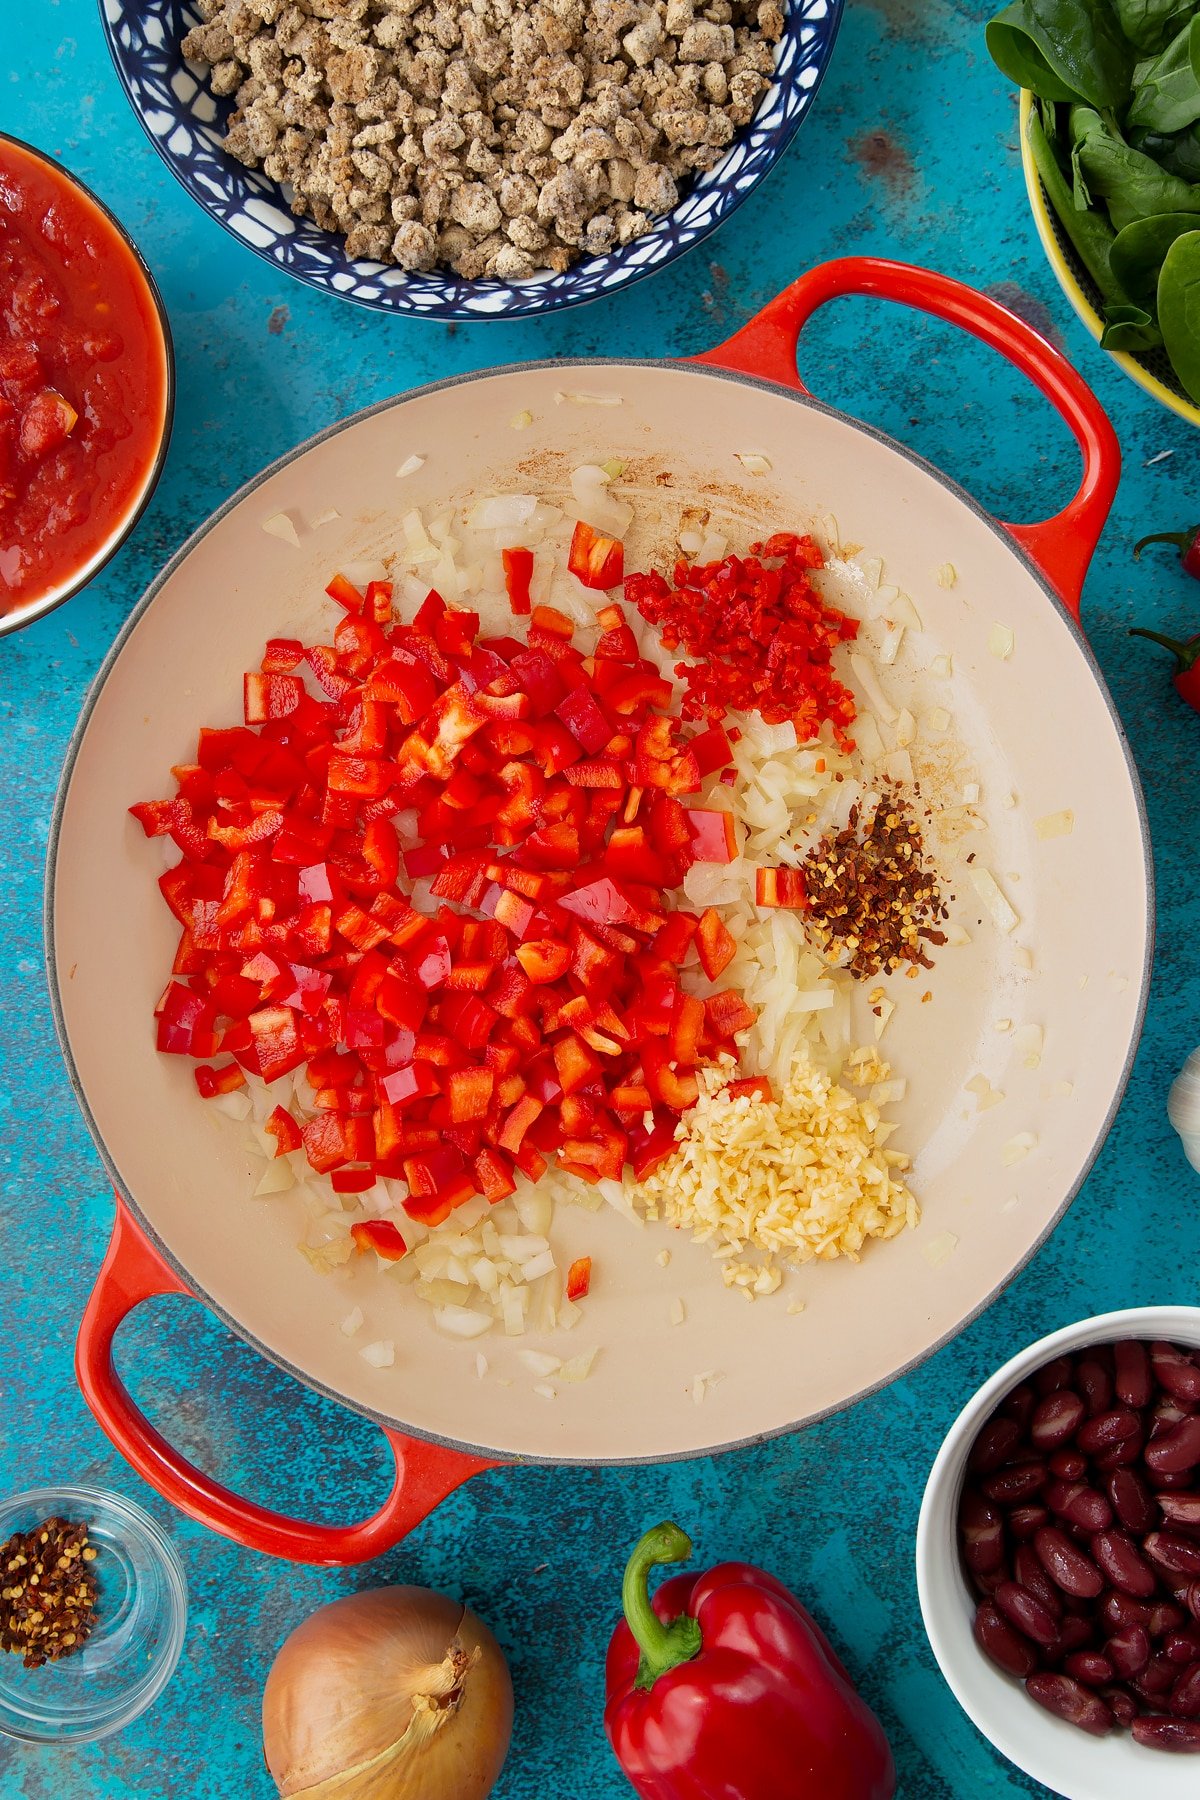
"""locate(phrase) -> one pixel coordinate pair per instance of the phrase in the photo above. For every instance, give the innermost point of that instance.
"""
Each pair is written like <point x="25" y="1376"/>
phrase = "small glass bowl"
<point x="141" y="1614"/>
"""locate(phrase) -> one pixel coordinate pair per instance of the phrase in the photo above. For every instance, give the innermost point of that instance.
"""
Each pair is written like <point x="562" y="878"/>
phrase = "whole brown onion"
<point x="393" y="1694"/>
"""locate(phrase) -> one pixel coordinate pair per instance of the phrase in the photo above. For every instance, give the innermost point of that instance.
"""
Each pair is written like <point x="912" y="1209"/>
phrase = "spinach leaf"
<point x="1088" y="233"/>
<point x="1179" y="309"/>
<point x="1133" y="184"/>
<point x="1147" y="23"/>
<point x="1063" y="50"/>
<point x="1166" y="93"/>
<point x="1138" y="251"/>
<point x="1179" y="154"/>
<point x="1128" y="327"/>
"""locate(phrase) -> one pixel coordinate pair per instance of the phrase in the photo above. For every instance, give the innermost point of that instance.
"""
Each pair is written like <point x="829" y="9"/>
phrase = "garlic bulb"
<point x="1183" y="1107"/>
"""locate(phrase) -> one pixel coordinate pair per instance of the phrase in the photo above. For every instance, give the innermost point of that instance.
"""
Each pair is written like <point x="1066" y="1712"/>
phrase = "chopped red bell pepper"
<point x="579" y="1278"/>
<point x="780" y="887"/>
<point x="597" y="561"/>
<point x="518" y="573"/>
<point x="381" y="1236"/>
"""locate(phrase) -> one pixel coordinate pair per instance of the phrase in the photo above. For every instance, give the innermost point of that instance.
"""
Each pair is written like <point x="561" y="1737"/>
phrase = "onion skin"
<point x="396" y="1693"/>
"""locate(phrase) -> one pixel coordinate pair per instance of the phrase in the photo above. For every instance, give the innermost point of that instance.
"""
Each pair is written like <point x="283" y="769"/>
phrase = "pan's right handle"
<point x="133" y="1271"/>
<point x="1061" y="547"/>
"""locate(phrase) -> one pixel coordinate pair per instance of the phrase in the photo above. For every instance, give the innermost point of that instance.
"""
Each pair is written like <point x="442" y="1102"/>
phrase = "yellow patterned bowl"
<point x="1151" y="371"/>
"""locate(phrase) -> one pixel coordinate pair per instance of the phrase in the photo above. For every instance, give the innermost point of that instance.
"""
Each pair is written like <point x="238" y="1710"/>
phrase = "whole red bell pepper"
<point x="725" y="1688"/>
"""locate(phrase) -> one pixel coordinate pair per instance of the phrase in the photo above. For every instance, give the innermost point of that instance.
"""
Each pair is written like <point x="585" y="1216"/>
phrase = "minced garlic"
<point x="803" y="1176"/>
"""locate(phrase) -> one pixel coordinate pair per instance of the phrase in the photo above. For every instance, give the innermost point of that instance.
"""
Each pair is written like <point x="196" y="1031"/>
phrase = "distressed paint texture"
<point x="911" y="151"/>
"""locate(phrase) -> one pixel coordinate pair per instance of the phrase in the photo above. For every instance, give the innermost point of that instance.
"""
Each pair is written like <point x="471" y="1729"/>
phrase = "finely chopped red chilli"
<point x="763" y="636"/>
<point x="539" y="1013"/>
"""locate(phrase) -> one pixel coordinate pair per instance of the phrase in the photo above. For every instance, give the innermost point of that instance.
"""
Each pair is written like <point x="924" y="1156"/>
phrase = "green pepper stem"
<point x="663" y="1646"/>
<point x="1185" y="654"/>
<point x="1181" y="539"/>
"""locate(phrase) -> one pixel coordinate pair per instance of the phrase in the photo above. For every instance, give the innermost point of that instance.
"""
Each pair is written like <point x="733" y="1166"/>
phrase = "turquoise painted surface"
<point x="912" y="151"/>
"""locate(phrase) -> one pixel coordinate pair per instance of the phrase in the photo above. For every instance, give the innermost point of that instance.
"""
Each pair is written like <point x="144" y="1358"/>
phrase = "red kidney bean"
<point x="982" y="1532"/>
<point x="1019" y="1481"/>
<point x="1094" y="1382"/>
<point x="1006" y="1647"/>
<point x="1074" y="1633"/>
<point x="1066" y="1699"/>
<point x="1181" y="1648"/>
<point x="1026" y="1612"/>
<point x="1123" y="1705"/>
<point x="1167" y="1414"/>
<point x="1184" y="1699"/>
<point x="1157" y="1733"/>
<point x="1029" y="1574"/>
<point x="1088" y="1666"/>
<point x="1068" y="1465"/>
<point x="1165" y="1617"/>
<point x="1105" y="1429"/>
<point x="1157" y="1678"/>
<point x="1066" y="1566"/>
<point x="1132" y="1500"/>
<point x="1079" y="1505"/>
<point x="1056" y="1419"/>
<point x="1019" y="1405"/>
<point x="1023" y="1521"/>
<point x="1172" y="1551"/>
<point x="1131" y="1374"/>
<point x="1177" y="1449"/>
<point x="1181" y="1510"/>
<point x="1120" y="1559"/>
<point x="1120" y="1456"/>
<point x="1129" y="1651"/>
<point x="987" y="1584"/>
<point x="1166" y="1483"/>
<point x="996" y="1443"/>
<point x="1054" y="1375"/>
<point x="1176" y="1372"/>
<point x="1188" y="1596"/>
<point x="1119" y="1612"/>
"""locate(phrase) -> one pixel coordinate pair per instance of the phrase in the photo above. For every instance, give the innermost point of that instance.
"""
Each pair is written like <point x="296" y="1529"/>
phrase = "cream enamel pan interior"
<point x="1040" y="726"/>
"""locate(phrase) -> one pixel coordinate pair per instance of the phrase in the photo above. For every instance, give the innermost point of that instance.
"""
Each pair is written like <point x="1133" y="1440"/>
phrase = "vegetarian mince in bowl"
<point x="471" y="161"/>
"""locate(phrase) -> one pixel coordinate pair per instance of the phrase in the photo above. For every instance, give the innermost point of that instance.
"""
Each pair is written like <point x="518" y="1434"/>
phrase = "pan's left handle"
<point x="133" y="1271"/>
<point x="1061" y="547"/>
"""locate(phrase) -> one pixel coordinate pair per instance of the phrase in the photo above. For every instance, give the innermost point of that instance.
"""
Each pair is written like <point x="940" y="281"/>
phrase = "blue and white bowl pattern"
<point x="185" y="124"/>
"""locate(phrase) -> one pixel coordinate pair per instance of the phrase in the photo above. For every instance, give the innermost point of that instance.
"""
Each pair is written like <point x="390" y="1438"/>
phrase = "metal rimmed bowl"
<point x="77" y="578"/>
<point x="141" y="1616"/>
<point x="186" y="125"/>
<point x="1150" y="369"/>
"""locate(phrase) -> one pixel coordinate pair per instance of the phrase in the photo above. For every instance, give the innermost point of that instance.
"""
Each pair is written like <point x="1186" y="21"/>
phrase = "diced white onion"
<point x="282" y="526"/>
<point x="410" y="465"/>
<point x="1056" y="824"/>
<point x="985" y="885"/>
<point x="869" y="682"/>
<point x="380" y="1355"/>
<point x="461" y="1321"/>
<point x="353" y="1321"/>
<point x="1001" y="642"/>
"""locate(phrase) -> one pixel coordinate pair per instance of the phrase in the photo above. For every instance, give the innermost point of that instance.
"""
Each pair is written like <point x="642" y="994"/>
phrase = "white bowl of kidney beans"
<point x="1058" y="1557"/>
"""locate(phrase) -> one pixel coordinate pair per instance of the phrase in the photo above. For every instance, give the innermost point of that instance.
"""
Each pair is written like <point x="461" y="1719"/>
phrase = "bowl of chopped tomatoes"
<point x="86" y="384"/>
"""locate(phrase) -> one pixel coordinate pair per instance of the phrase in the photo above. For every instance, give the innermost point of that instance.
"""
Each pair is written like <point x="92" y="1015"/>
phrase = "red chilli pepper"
<point x="725" y="1685"/>
<point x="1187" y="662"/>
<point x="1186" y="542"/>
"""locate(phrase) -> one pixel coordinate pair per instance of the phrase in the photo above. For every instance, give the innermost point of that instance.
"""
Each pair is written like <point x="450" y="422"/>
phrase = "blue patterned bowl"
<point x="185" y="124"/>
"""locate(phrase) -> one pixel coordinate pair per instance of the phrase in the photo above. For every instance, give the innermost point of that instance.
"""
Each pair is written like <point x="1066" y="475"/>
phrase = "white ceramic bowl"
<point x="1064" y="1759"/>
